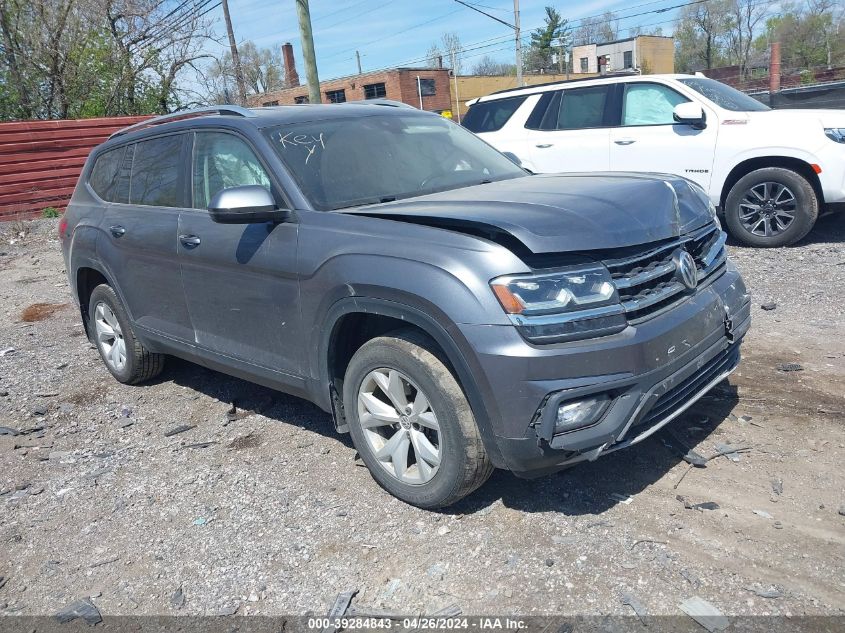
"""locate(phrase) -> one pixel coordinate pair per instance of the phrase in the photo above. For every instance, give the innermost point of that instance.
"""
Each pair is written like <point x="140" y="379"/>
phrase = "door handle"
<point x="189" y="241"/>
<point x="544" y="145"/>
<point x="625" y="141"/>
<point x="117" y="230"/>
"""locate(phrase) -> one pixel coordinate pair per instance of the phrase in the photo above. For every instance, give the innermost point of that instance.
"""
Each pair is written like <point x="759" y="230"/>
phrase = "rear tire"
<point x="111" y="331"/>
<point x="771" y="207"/>
<point x="440" y="457"/>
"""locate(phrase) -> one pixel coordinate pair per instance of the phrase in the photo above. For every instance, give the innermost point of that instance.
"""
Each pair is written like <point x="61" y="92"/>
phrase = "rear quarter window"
<point x="156" y="171"/>
<point x="105" y="174"/>
<point x="489" y="116"/>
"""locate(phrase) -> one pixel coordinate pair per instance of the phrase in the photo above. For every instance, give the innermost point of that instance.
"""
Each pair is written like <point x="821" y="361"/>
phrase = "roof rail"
<point x="382" y="102"/>
<point x="610" y="75"/>
<point x="222" y="109"/>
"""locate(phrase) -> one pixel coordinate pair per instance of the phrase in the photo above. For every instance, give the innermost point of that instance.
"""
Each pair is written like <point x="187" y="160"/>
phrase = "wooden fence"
<point x="40" y="161"/>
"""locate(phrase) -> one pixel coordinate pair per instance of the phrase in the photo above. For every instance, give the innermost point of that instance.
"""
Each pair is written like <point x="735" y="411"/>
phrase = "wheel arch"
<point x="353" y="321"/>
<point x="745" y="167"/>
<point x="86" y="278"/>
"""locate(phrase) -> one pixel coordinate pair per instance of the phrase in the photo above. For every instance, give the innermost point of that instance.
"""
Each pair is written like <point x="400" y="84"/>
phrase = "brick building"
<point x="399" y="84"/>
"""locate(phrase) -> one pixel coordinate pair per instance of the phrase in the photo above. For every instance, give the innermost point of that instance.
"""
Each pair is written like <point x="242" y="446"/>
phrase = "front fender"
<point x="436" y="325"/>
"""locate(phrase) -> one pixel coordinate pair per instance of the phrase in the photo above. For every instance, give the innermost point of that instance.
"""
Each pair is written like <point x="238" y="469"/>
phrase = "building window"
<point x="584" y="64"/>
<point x="375" y="91"/>
<point x="267" y="104"/>
<point x="426" y="87"/>
<point x="628" y="59"/>
<point x="336" y="96"/>
<point x="301" y="99"/>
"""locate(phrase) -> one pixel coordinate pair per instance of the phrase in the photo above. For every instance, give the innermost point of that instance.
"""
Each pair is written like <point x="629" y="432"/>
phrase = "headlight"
<point x="563" y="305"/>
<point x="835" y="134"/>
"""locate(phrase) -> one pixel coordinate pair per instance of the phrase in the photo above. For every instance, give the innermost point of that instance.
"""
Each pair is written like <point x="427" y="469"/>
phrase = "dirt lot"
<point x="270" y="513"/>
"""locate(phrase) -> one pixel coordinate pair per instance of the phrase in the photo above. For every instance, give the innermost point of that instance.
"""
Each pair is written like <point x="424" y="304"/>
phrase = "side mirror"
<point x="513" y="158"/>
<point x="245" y="205"/>
<point x="691" y="114"/>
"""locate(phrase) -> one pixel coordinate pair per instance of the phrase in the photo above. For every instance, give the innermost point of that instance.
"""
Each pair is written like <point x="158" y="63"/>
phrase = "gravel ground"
<point x="271" y="513"/>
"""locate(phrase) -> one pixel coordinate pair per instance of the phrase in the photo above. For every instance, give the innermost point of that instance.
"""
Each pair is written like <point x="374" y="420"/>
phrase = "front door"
<point x="137" y="242"/>
<point x="240" y="279"/>
<point x="573" y="134"/>
<point x="648" y="138"/>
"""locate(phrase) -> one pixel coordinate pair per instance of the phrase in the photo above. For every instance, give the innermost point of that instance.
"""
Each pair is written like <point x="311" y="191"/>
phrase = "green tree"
<point x="544" y="41"/>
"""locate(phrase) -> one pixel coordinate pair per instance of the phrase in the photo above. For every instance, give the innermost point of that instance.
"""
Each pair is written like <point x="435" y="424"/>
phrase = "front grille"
<point x="679" y="395"/>
<point x="647" y="281"/>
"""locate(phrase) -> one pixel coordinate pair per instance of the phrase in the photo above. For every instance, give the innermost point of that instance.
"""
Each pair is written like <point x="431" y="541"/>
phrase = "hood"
<point x="784" y="117"/>
<point x="562" y="212"/>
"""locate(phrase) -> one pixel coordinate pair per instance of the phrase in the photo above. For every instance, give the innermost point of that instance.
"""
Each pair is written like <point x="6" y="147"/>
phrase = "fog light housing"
<point x="576" y="414"/>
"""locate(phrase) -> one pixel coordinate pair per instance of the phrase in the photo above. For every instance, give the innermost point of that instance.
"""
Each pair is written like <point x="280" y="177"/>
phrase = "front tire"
<point x="111" y="331"/>
<point x="771" y="207"/>
<point x="411" y="423"/>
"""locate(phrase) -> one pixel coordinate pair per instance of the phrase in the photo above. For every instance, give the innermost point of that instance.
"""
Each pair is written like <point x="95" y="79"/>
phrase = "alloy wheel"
<point x="110" y="337"/>
<point x="767" y="209"/>
<point x="399" y="425"/>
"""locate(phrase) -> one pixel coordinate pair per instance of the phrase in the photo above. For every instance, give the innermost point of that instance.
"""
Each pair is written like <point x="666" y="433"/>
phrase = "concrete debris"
<point x="81" y="609"/>
<point x="7" y="351"/>
<point x="40" y="410"/>
<point x="842" y="510"/>
<point x="706" y="505"/>
<point x="179" y="429"/>
<point x="768" y="307"/>
<point x="443" y="530"/>
<point x="763" y="513"/>
<point x="788" y="367"/>
<point x="231" y="609"/>
<point x="200" y="445"/>
<point x="705" y="614"/>
<point x="7" y="430"/>
<point x="177" y="600"/>
<point x="769" y="594"/>
<point x="729" y="451"/>
<point x="777" y="486"/>
<point x="637" y="606"/>
<point x="626" y="499"/>
<point x="338" y="609"/>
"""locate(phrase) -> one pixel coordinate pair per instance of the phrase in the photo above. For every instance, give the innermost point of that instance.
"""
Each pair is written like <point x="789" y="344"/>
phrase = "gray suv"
<point x="454" y="313"/>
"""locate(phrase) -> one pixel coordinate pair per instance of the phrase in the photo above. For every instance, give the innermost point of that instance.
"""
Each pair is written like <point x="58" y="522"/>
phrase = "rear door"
<point x="137" y="242"/>
<point x="240" y="279"/>
<point x="570" y="130"/>
<point x="648" y="138"/>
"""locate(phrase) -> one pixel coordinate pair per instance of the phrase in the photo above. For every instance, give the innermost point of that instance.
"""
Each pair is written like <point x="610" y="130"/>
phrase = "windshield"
<point x="724" y="96"/>
<point x="365" y="160"/>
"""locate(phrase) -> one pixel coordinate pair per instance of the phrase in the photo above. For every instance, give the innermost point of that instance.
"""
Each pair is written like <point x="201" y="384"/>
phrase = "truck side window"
<point x="582" y="108"/>
<point x="649" y="104"/>
<point x="221" y="161"/>
<point x="489" y="116"/>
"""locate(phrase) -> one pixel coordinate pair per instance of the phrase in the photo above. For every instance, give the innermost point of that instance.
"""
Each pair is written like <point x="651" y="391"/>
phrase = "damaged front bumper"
<point x="650" y="375"/>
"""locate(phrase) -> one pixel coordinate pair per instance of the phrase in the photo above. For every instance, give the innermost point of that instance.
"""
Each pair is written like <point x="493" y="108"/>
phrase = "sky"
<point x="390" y="33"/>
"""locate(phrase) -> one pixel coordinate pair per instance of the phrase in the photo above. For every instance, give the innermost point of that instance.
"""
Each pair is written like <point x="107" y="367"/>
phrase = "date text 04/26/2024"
<point x="417" y="622"/>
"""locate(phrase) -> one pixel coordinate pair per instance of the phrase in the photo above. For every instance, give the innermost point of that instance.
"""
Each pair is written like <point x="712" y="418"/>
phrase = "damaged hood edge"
<point x="561" y="212"/>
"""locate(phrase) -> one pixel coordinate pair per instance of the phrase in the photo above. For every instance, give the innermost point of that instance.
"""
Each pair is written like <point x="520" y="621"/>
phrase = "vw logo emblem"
<point x="685" y="269"/>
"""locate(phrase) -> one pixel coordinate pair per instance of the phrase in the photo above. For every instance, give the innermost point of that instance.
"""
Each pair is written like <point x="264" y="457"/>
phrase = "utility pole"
<point x="236" y="58"/>
<point x="518" y="36"/>
<point x="514" y="26"/>
<point x="358" y="57"/>
<point x="308" y="55"/>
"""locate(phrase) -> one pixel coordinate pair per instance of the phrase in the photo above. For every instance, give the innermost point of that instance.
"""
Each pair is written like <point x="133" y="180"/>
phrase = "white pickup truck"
<point x="770" y="172"/>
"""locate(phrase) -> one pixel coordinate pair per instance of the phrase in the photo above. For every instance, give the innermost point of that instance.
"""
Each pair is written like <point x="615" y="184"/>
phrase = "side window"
<point x="489" y="116"/>
<point x="582" y="108"/>
<point x="154" y="179"/>
<point x="221" y="161"/>
<point x="649" y="104"/>
<point x="104" y="174"/>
